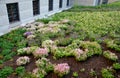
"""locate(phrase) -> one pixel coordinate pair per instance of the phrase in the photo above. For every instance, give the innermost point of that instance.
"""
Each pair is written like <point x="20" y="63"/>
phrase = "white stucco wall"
<point x="26" y="12"/>
<point x="85" y="2"/>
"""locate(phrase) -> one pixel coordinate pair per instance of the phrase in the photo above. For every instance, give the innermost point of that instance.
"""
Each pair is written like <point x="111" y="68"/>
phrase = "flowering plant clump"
<point x="23" y="60"/>
<point x="65" y="21"/>
<point x="62" y="69"/>
<point x="49" y="44"/>
<point x="80" y="55"/>
<point x="110" y="55"/>
<point x="32" y="28"/>
<point x="93" y="48"/>
<point x="27" y="34"/>
<point x="31" y="37"/>
<point x="39" y="73"/>
<point x="43" y="67"/>
<point x="53" y="28"/>
<point x="44" y="64"/>
<point x="27" y="50"/>
<point x="40" y="52"/>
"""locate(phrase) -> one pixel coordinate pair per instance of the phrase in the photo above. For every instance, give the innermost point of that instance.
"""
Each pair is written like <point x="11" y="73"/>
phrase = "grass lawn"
<point x="82" y="42"/>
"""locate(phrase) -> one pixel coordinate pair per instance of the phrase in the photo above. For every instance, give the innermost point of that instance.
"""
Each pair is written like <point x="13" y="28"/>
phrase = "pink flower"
<point x="40" y="52"/>
<point x="78" y="53"/>
<point x="35" y="71"/>
<point x="62" y="69"/>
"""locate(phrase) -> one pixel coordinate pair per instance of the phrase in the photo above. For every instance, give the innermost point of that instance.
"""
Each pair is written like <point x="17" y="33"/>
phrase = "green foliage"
<point x="93" y="48"/>
<point x="82" y="70"/>
<point x="47" y="20"/>
<point x="1" y="61"/>
<point x="20" y="71"/>
<point x="64" y="41"/>
<point x="7" y="57"/>
<point x="44" y="64"/>
<point x="5" y="52"/>
<point x="8" y="43"/>
<point x="28" y="75"/>
<point x="107" y="73"/>
<point x="75" y="74"/>
<point x="22" y="43"/>
<point x="109" y="55"/>
<point x="6" y="71"/>
<point x="116" y="66"/>
<point x="93" y="72"/>
<point x="113" y="44"/>
<point x="59" y="53"/>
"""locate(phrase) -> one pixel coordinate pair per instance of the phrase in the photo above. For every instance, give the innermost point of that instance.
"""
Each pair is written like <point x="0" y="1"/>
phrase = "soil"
<point x="96" y="63"/>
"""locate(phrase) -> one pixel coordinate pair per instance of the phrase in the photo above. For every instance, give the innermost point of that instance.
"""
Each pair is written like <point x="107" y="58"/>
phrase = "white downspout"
<point x="94" y="3"/>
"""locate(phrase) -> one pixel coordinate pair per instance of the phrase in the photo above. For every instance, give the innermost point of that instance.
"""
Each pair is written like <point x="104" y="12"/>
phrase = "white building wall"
<point x="85" y="2"/>
<point x="4" y="23"/>
<point x="26" y="12"/>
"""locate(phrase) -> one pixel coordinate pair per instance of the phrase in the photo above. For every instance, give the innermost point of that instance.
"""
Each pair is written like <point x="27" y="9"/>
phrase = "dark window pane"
<point x="68" y="2"/>
<point x="50" y="5"/>
<point x="60" y="3"/>
<point x="104" y="1"/>
<point x="36" y="10"/>
<point x="13" y="12"/>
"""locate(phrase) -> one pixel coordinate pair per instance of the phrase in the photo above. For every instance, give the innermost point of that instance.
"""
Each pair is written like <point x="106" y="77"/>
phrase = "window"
<point x="50" y="5"/>
<point x="13" y="12"/>
<point x="104" y="1"/>
<point x="98" y="2"/>
<point x="36" y="10"/>
<point x="68" y="2"/>
<point x="60" y="3"/>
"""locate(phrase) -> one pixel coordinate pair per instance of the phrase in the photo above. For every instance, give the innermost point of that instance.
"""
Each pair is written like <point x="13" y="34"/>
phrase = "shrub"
<point x="6" y="71"/>
<point x="62" y="69"/>
<point x="31" y="37"/>
<point x="107" y="73"/>
<point x="23" y="60"/>
<point x="21" y="44"/>
<point x="110" y="55"/>
<point x="39" y="73"/>
<point x="7" y="57"/>
<point x="75" y="74"/>
<point x="43" y="67"/>
<point x="82" y="70"/>
<point x="93" y="72"/>
<point x="113" y="44"/>
<point x="5" y="52"/>
<point x="64" y="41"/>
<point x="80" y="55"/>
<point x="44" y="64"/>
<point x="20" y="71"/>
<point x="49" y="44"/>
<point x="27" y="50"/>
<point x="93" y="48"/>
<point x="28" y="75"/>
<point x="40" y="52"/>
<point x="44" y="20"/>
<point x="116" y="66"/>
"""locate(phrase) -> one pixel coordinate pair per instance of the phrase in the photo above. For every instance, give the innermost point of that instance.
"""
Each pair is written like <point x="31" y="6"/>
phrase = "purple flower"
<point x="27" y="34"/>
